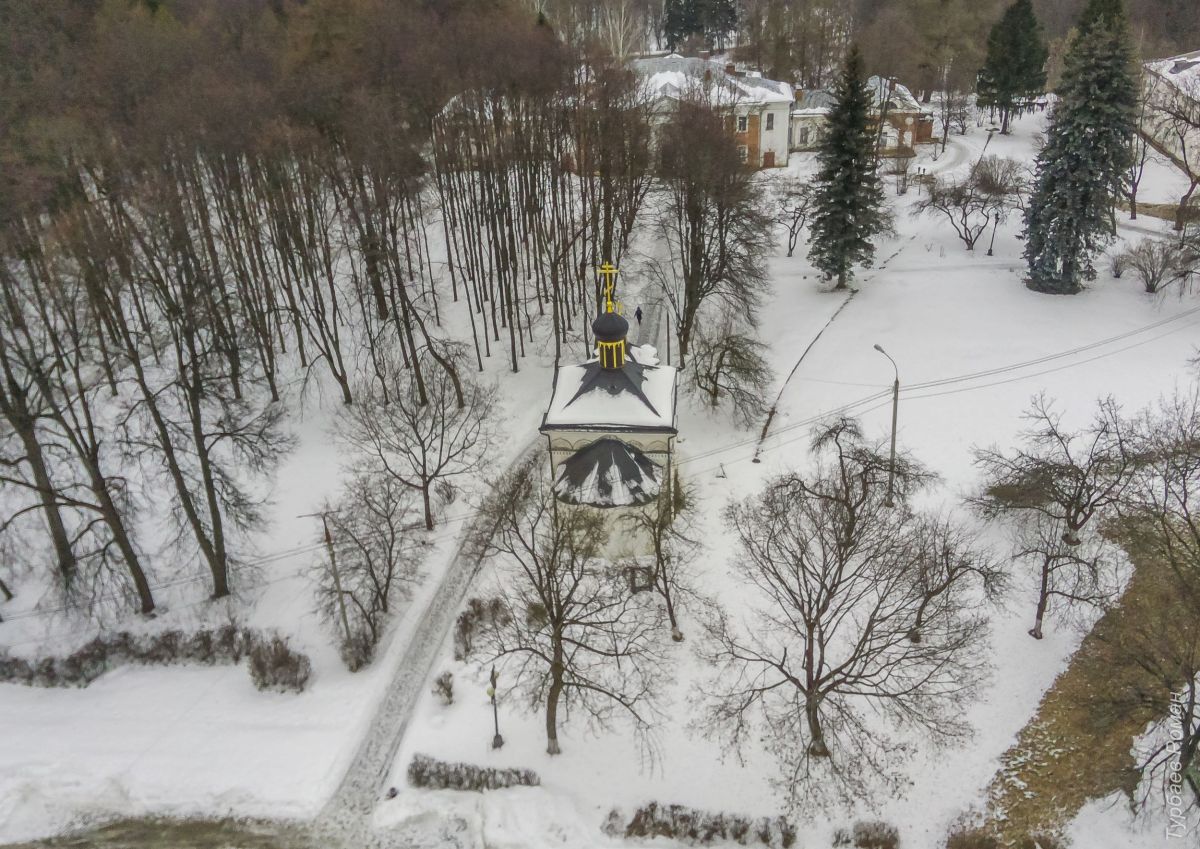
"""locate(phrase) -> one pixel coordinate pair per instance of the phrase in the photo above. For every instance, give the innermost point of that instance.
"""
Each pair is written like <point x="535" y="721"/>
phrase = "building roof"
<point x="608" y="473"/>
<point x="818" y="101"/>
<point x="1182" y="71"/>
<point x="673" y="75"/>
<point x="635" y="397"/>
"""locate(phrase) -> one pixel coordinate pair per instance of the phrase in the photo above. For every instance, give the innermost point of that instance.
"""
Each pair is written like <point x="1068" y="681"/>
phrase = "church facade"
<point x="611" y="430"/>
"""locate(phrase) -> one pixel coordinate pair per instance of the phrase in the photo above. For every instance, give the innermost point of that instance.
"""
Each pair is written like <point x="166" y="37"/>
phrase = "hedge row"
<point x="273" y="664"/>
<point x="433" y="774"/>
<point x="703" y="827"/>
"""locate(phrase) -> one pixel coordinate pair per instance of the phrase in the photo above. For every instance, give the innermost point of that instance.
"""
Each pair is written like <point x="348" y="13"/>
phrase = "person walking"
<point x="638" y="315"/>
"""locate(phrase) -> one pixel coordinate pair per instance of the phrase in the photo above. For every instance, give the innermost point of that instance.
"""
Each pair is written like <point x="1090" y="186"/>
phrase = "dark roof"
<point x="607" y="473"/>
<point x="610" y="327"/>
<point x="614" y="381"/>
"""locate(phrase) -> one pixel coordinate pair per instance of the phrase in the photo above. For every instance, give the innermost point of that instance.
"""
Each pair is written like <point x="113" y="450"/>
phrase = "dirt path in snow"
<point x="1077" y="747"/>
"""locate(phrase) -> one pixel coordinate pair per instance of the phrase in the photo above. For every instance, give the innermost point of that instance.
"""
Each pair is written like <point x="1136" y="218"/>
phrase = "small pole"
<point x="497" y="740"/>
<point x="890" y="501"/>
<point x="337" y="578"/>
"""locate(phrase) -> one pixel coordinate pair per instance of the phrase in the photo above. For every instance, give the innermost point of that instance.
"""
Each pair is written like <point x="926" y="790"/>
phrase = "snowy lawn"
<point x="203" y="741"/>
<point x="973" y="345"/>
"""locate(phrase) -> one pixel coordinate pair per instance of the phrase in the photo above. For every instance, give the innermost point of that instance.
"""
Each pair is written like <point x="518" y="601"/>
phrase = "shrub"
<point x="274" y="666"/>
<point x="357" y="651"/>
<point x="966" y="837"/>
<point x="875" y="834"/>
<point x="689" y="825"/>
<point x="1156" y="262"/>
<point x="478" y="614"/>
<point x="443" y="688"/>
<point x="433" y="774"/>
<point x="1040" y="841"/>
<point x="228" y="644"/>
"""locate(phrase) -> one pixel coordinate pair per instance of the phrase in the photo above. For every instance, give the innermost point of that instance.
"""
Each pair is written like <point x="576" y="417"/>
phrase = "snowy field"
<point x="972" y="345"/>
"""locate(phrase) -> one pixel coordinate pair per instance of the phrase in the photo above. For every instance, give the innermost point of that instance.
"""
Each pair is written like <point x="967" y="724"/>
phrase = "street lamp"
<point x="497" y="740"/>
<point x="890" y="501"/>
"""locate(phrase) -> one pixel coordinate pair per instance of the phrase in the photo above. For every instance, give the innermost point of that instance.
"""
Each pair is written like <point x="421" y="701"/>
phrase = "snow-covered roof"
<point x="608" y="473"/>
<point x="818" y="101"/>
<point x="901" y="99"/>
<point x="633" y="397"/>
<point x="1182" y="71"/>
<point x="673" y="76"/>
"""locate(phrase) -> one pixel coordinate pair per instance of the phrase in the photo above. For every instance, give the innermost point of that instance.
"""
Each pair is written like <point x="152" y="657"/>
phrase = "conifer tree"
<point x="712" y="19"/>
<point x="1087" y="152"/>
<point x="1015" y="67"/>
<point x="848" y="201"/>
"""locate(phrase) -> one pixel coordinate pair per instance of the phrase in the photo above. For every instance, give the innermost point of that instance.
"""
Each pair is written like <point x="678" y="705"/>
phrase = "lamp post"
<point x="890" y="501"/>
<point x="497" y="740"/>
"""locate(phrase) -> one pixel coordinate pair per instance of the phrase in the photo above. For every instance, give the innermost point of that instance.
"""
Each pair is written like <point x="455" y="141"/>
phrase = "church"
<point x="610" y="426"/>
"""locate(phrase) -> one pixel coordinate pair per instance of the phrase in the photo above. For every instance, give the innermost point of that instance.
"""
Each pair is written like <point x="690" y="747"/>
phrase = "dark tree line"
<point x="206" y="209"/>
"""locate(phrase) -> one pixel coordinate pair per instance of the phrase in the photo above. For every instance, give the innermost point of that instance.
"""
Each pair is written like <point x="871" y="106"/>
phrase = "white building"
<point x="758" y="108"/>
<point x="1172" y="116"/>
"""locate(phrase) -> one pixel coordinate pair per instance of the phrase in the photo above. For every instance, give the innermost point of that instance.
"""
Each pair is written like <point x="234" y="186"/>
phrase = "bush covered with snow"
<point x="275" y="666"/>
<point x="868" y="834"/>
<point x="443" y="688"/>
<point x="432" y="774"/>
<point x="225" y="645"/>
<point x="701" y="827"/>
<point x="478" y="615"/>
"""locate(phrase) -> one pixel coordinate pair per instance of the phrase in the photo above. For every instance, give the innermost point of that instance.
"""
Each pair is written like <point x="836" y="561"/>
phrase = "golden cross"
<point x="609" y="272"/>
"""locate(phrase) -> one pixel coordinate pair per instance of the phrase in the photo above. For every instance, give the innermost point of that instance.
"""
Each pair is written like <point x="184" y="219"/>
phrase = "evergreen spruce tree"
<point x="1081" y="168"/>
<point x="848" y="200"/>
<point x="681" y="19"/>
<point x="712" y="19"/>
<point x="1015" y="67"/>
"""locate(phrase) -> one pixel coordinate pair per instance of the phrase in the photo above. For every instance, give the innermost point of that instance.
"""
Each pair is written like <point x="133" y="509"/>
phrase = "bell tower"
<point x="610" y="327"/>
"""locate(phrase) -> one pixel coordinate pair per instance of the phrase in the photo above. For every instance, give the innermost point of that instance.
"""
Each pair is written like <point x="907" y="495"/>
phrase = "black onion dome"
<point x="610" y="327"/>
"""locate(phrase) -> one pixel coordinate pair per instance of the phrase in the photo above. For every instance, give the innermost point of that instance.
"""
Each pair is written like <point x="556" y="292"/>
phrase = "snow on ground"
<point x="944" y="314"/>
<point x="203" y="741"/>
<point x="190" y="740"/>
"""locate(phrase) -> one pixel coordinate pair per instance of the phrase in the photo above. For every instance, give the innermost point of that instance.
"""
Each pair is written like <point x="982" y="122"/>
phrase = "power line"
<point x="774" y="438"/>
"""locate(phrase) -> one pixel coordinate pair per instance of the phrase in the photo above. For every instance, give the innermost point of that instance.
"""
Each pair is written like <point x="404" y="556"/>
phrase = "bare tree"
<point x="840" y="583"/>
<point x="1068" y="477"/>
<point x="420" y="444"/>
<point x="729" y="364"/>
<point x="711" y="219"/>
<point x="668" y="524"/>
<point x="951" y="558"/>
<point x="1158" y="263"/>
<point x="792" y="200"/>
<point x="572" y="635"/>
<point x="1158" y="639"/>
<point x="1067" y="575"/>
<point x="984" y="196"/>
<point x="376" y="559"/>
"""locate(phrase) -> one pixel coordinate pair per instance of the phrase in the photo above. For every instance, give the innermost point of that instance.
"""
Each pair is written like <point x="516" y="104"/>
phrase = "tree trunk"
<point x="816" y="743"/>
<point x="1043" y="600"/>
<point x="50" y="509"/>
<point x="425" y="501"/>
<point x="556" y="688"/>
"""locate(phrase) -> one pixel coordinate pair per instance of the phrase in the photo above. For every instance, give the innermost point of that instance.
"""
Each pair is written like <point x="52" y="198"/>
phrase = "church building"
<point x="611" y="425"/>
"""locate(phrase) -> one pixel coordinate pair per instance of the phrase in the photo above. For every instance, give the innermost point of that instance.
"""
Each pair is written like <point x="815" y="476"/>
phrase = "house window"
<point x="804" y="135"/>
<point x="743" y="123"/>
<point x="770" y="120"/>
<point x="743" y="152"/>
